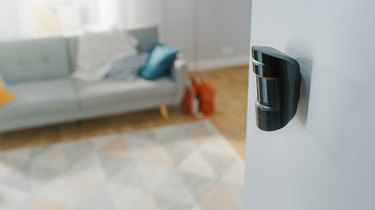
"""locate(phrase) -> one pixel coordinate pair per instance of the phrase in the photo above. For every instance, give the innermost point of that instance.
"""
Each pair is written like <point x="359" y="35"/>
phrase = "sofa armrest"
<point x="179" y="75"/>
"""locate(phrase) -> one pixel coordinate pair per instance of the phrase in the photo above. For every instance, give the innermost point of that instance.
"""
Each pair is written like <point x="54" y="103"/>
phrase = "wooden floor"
<point x="230" y="119"/>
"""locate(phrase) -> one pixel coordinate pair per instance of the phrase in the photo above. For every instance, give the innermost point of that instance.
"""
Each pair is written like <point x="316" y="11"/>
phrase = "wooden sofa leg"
<point x="164" y="112"/>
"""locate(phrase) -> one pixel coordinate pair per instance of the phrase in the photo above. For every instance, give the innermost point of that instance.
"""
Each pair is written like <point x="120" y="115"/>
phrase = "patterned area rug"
<point x="182" y="167"/>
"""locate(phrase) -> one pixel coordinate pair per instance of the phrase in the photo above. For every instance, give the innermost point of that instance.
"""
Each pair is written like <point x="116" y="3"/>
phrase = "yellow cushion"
<point x="5" y="96"/>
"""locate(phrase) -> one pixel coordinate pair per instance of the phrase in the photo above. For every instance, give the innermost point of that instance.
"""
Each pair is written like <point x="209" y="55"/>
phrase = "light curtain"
<point x="45" y="18"/>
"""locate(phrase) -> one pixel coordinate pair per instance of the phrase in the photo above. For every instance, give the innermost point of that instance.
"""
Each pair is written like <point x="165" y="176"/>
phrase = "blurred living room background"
<point x="186" y="126"/>
<point x="210" y="33"/>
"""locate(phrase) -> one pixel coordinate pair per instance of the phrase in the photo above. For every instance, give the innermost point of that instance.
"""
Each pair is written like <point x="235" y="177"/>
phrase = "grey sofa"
<point x="38" y="73"/>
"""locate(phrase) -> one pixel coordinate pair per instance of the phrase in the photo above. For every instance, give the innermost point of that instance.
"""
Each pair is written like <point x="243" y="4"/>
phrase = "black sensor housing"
<point x="278" y="80"/>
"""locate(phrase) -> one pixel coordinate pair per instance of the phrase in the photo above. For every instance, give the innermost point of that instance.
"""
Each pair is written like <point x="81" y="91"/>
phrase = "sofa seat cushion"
<point x="40" y="97"/>
<point x="107" y="92"/>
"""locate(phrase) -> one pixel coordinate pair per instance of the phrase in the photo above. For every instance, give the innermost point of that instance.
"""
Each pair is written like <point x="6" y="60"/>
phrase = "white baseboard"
<point x="212" y="64"/>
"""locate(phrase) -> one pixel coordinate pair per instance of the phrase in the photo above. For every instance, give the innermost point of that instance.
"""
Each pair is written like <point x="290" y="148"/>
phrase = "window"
<point x="24" y="19"/>
<point x="57" y="17"/>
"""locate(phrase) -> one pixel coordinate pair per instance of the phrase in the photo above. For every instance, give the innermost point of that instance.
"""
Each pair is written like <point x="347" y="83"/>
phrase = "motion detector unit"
<point x="278" y="80"/>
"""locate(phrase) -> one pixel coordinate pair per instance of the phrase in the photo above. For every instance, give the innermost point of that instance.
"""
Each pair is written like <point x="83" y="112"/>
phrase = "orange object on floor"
<point x="200" y="98"/>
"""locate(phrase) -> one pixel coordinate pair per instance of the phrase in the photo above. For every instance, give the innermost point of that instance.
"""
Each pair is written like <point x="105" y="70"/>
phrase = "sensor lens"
<point x="267" y="92"/>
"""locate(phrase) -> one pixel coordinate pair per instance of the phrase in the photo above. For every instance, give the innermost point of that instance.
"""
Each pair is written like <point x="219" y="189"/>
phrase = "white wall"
<point x="134" y="12"/>
<point x="324" y="159"/>
<point x="211" y="33"/>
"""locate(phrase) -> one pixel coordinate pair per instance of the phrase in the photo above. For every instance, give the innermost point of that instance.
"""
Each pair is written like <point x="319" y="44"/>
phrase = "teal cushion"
<point x="159" y="63"/>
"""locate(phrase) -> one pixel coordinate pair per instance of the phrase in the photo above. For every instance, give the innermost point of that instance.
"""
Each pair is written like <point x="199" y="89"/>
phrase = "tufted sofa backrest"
<point x="50" y="58"/>
<point x="36" y="59"/>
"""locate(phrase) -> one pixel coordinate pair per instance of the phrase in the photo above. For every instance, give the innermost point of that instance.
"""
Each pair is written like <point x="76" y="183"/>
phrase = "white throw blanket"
<point x="98" y="51"/>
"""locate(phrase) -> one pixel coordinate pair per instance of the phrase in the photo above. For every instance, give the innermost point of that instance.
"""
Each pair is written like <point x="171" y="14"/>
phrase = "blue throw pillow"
<point x="159" y="62"/>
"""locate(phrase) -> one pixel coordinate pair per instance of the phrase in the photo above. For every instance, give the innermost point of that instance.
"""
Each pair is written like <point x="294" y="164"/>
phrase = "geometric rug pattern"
<point x="180" y="167"/>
